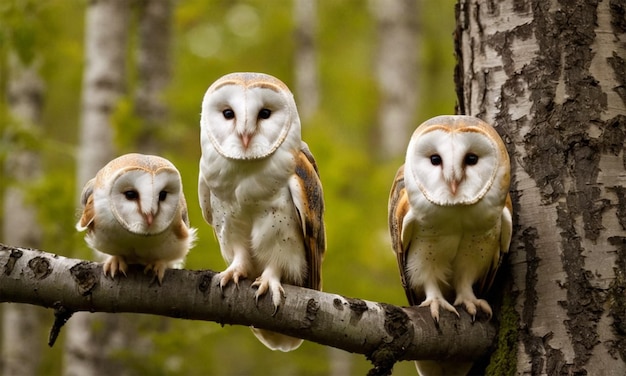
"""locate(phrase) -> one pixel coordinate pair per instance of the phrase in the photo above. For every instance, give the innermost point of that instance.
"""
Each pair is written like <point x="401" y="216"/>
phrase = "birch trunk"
<point x="550" y="76"/>
<point x="153" y="71"/>
<point x="87" y="351"/>
<point x="306" y="86"/>
<point x="21" y="324"/>
<point x="396" y="72"/>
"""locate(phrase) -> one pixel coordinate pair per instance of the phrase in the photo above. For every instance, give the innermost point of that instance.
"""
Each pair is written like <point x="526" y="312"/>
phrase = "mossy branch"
<point x="384" y="333"/>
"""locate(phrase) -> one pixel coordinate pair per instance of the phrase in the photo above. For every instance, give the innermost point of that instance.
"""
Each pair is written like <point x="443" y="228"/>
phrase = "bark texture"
<point x="21" y="350"/>
<point x="396" y="72"/>
<point x="550" y="75"/>
<point x="383" y="332"/>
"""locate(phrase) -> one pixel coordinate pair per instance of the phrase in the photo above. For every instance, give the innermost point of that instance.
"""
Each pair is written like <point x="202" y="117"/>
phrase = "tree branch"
<point x="384" y="333"/>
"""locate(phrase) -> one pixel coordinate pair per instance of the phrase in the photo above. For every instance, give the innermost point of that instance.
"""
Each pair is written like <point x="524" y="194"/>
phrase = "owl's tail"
<point x="276" y="341"/>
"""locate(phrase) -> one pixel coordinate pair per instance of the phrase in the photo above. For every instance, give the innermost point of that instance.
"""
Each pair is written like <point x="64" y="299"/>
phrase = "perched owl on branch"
<point x="450" y="218"/>
<point x="259" y="188"/>
<point x="134" y="210"/>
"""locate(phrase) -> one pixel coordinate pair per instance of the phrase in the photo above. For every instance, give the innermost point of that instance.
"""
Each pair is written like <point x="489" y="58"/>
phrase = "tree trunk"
<point x="21" y="346"/>
<point x="551" y="77"/>
<point x="396" y="72"/>
<point x="87" y="351"/>
<point x="306" y="87"/>
<point x="153" y="71"/>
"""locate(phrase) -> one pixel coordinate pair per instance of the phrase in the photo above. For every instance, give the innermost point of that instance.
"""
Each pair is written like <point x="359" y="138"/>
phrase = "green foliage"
<point x="212" y="38"/>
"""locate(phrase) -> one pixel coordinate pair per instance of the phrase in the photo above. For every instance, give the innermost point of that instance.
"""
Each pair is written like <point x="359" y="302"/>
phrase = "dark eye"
<point x="435" y="159"/>
<point x="471" y="159"/>
<point x="264" y="113"/>
<point x="162" y="195"/>
<point x="131" y="195"/>
<point x="228" y="114"/>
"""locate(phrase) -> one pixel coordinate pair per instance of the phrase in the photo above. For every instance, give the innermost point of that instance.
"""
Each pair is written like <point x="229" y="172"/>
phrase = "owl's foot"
<point x="234" y="272"/>
<point x="472" y="304"/>
<point x="158" y="268"/>
<point x="272" y="283"/>
<point x="435" y="303"/>
<point x="114" y="264"/>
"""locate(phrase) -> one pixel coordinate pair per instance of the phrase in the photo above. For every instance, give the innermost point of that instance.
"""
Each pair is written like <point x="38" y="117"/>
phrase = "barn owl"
<point x="259" y="188"/>
<point x="134" y="210"/>
<point x="450" y="218"/>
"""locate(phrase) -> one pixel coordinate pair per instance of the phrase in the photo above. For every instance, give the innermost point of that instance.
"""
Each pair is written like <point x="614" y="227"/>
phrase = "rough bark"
<point x="306" y="85"/>
<point x="396" y="72"/>
<point x="383" y="332"/>
<point x="550" y="75"/>
<point x="153" y="71"/>
<point x="87" y="352"/>
<point x="21" y="351"/>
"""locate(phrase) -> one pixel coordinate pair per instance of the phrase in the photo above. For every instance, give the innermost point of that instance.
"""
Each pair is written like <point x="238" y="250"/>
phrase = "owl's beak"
<point x="245" y="140"/>
<point x="149" y="219"/>
<point x="454" y="185"/>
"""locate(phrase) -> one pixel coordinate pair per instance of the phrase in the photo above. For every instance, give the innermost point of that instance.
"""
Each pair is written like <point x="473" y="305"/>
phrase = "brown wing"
<point x="398" y="210"/>
<point x="308" y="198"/>
<point x="506" y="231"/>
<point x="86" y="200"/>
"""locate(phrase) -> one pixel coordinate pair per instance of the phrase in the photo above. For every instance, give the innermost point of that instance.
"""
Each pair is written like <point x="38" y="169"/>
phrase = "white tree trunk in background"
<point x="153" y="71"/>
<point x="396" y="72"/>
<point x="551" y="76"/>
<point x="21" y="324"/>
<point x="306" y="68"/>
<point x="87" y="352"/>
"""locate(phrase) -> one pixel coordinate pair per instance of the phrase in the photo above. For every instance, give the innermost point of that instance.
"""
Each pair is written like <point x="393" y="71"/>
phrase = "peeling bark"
<point x="382" y="332"/>
<point x="550" y="76"/>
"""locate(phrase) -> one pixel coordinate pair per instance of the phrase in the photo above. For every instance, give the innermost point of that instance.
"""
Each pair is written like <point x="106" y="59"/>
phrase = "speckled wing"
<point x="308" y="197"/>
<point x="506" y="232"/>
<point x="399" y="222"/>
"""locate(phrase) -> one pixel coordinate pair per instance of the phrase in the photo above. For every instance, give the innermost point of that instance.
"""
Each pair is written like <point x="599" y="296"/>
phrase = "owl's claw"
<point x="272" y="284"/>
<point x="435" y="303"/>
<point x="234" y="273"/>
<point x="472" y="304"/>
<point x="158" y="268"/>
<point x="113" y="265"/>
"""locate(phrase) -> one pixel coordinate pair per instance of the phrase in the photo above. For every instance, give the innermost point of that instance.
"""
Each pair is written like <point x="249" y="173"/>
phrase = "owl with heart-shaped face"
<point x="134" y="210"/>
<point x="260" y="190"/>
<point x="450" y="218"/>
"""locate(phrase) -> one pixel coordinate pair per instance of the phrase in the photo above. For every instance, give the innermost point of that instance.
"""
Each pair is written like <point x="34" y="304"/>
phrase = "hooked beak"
<point x="149" y="218"/>
<point x="454" y="185"/>
<point x="245" y="140"/>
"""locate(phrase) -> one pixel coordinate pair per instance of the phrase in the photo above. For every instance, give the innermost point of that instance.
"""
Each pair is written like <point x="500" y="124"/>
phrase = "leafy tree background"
<point x="212" y="38"/>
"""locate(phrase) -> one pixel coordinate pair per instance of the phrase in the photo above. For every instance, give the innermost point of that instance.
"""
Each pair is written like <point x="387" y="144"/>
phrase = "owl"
<point x="450" y="217"/>
<point x="259" y="189"/>
<point x="134" y="210"/>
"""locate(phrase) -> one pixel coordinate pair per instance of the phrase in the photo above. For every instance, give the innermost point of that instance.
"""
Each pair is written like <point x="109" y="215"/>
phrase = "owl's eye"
<point x="131" y="195"/>
<point x="162" y="195"/>
<point x="435" y="159"/>
<point x="228" y="114"/>
<point x="264" y="113"/>
<point x="470" y="159"/>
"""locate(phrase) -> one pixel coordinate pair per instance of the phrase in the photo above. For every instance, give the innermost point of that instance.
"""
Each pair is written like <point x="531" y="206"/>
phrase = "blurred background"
<point x="364" y="75"/>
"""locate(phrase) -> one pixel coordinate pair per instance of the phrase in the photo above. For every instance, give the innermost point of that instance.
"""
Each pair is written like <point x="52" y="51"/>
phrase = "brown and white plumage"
<point x="450" y="217"/>
<point x="134" y="210"/>
<point x="260" y="190"/>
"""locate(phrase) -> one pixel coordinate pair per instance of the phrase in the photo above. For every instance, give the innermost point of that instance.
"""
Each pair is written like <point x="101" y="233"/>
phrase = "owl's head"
<point x="455" y="160"/>
<point x="144" y="193"/>
<point x="248" y="115"/>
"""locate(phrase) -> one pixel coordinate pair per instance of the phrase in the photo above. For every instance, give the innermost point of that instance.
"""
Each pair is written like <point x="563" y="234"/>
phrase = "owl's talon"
<point x="435" y="303"/>
<point x="113" y="265"/>
<point x="272" y="284"/>
<point x="472" y="304"/>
